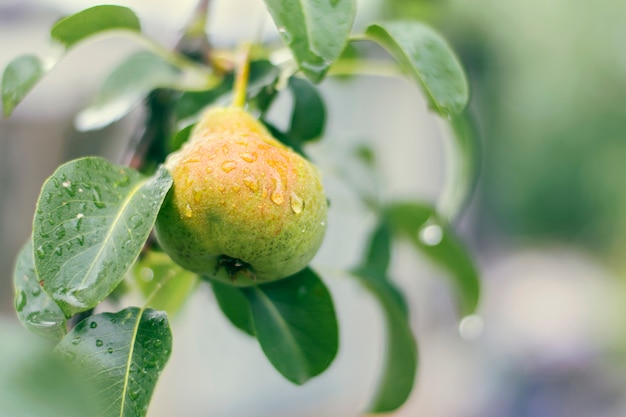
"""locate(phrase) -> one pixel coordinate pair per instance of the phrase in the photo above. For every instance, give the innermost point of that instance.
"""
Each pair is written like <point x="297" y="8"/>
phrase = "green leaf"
<point x="180" y="138"/>
<point x="315" y="31"/>
<point x="234" y="304"/>
<point x="89" y="22"/>
<point x="378" y="254"/>
<point x="34" y="382"/>
<point x="428" y="57"/>
<point x="296" y="325"/>
<point x="91" y="222"/>
<point x="163" y="282"/>
<point x="128" y="85"/>
<point x="422" y="226"/>
<point x="376" y="262"/>
<point x="19" y="77"/>
<point x="463" y="162"/>
<point x="309" y="114"/>
<point x="124" y="353"/>
<point x="400" y="358"/>
<point x="34" y="307"/>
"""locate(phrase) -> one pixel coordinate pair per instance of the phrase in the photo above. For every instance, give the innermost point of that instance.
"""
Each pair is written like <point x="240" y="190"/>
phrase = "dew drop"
<point x="80" y="215"/>
<point x="97" y="199"/>
<point x="93" y="325"/>
<point x="81" y="240"/>
<point x="40" y="252"/>
<point x="316" y="67"/>
<point x="59" y="233"/>
<point x="146" y="274"/>
<point x="431" y="234"/>
<point x="110" y="350"/>
<point x="277" y="197"/>
<point x="228" y="166"/>
<point x="20" y="301"/>
<point x="286" y="36"/>
<point x="76" y="340"/>
<point x="297" y="204"/>
<point x="236" y="188"/>
<point x="251" y="183"/>
<point x="99" y="343"/>
<point x="58" y="251"/>
<point x="471" y="327"/>
<point x="133" y="394"/>
<point x="44" y="321"/>
<point x="157" y="343"/>
<point x="197" y="196"/>
<point x="249" y="156"/>
<point x="137" y="221"/>
<point x="122" y="181"/>
<point x="209" y="170"/>
<point x="36" y="291"/>
<point x="188" y="213"/>
<point x="66" y="184"/>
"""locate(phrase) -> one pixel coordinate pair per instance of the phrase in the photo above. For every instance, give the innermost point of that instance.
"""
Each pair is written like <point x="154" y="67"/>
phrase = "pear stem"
<point x="241" y="77"/>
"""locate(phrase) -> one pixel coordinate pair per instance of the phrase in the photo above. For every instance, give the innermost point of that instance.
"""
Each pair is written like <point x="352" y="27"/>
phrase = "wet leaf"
<point x="296" y="325"/>
<point x="123" y="353"/>
<point x="34" y="307"/>
<point x="19" y="77"/>
<point x="163" y="282"/>
<point x="436" y="239"/>
<point x="315" y="31"/>
<point x="91" y="222"/>
<point x="89" y="22"/>
<point x="235" y="306"/>
<point x="426" y="55"/>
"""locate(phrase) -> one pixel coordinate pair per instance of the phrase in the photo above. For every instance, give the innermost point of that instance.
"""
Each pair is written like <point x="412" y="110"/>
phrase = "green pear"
<point x="244" y="208"/>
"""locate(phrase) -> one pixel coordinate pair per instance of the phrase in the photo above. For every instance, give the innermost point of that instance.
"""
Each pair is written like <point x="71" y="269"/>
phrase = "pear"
<point x="243" y="209"/>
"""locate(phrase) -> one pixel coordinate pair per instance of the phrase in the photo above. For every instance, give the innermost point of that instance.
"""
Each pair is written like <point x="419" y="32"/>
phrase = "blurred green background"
<point x="546" y="223"/>
<point x="549" y="89"/>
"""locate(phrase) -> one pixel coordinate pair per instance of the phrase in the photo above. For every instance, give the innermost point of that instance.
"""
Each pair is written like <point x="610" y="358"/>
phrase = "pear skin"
<point x="243" y="209"/>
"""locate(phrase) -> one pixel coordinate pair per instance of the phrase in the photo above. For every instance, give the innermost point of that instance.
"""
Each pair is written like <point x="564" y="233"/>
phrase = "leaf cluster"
<point x="91" y="239"/>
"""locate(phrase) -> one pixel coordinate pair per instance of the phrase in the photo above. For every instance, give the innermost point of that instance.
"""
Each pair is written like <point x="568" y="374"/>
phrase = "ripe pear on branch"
<point x="244" y="208"/>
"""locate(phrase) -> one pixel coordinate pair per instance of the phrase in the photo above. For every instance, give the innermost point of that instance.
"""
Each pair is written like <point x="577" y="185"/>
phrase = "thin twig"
<point x="241" y="77"/>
